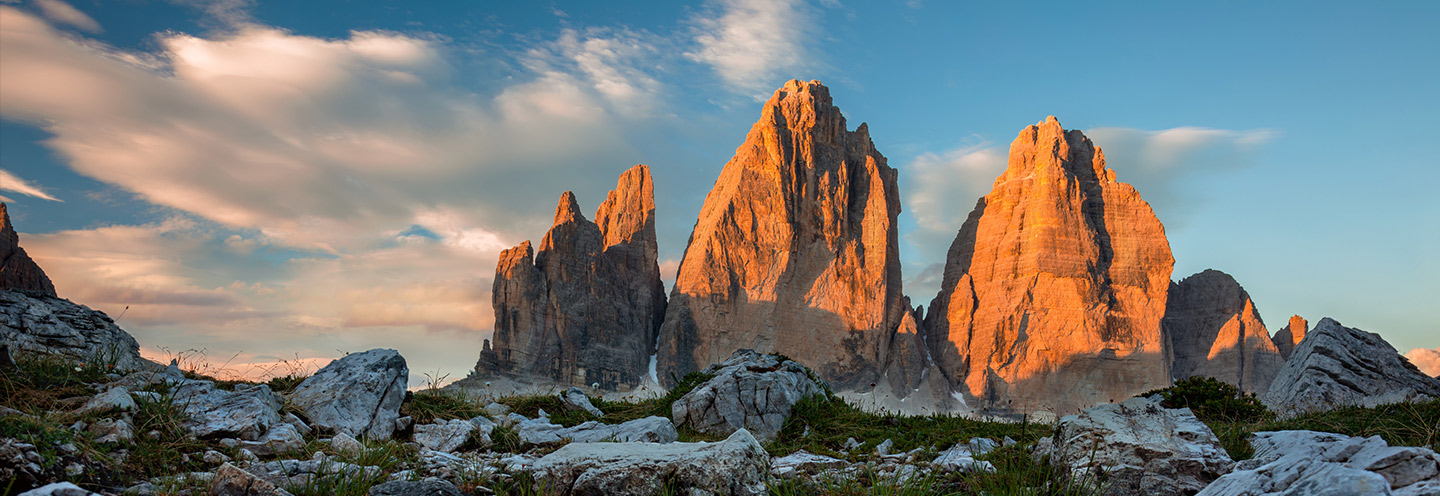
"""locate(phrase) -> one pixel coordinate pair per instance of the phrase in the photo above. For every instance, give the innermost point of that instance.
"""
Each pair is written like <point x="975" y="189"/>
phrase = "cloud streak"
<point x="63" y="13"/>
<point x="752" y="44"/>
<point x="11" y="182"/>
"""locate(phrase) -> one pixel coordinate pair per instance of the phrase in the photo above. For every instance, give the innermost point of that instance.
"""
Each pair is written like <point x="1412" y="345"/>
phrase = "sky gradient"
<point x="297" y="180"/>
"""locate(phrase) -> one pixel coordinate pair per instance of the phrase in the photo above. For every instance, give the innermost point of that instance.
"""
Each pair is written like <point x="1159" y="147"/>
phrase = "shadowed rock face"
<point x="795" y="250"/>
<point x="587" y="307"/>
<point x="1340" y="366"/>
<point x="1055" y="286"/>
<point x="1215" y="331"/>
<point x="1288" y="338"/>
<point x="17" y="270"/>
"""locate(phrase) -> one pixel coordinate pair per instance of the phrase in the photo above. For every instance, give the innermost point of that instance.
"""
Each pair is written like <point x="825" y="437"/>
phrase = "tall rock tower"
<point x="795" y="250"/>
<point x="1215" y="331"/>
<point x="586" y="308"/>
<point x="17" y="270"/>
<point x="1055" y="286"/>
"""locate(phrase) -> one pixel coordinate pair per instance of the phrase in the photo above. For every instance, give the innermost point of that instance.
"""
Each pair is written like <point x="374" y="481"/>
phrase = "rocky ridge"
<point x="1287" y="338"/>
<point x="17" y="270"/>
<point x="1215" y="331"/>
<point x="1340" y="366"/>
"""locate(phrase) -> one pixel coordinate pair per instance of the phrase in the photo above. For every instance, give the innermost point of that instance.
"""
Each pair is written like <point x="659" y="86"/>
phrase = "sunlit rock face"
<point x="1056" y="284"/>
<point x="1215" y="331"/>
<point x="586" y="308"/>
<point x="795" y="250"/>
<point x="17" y="270"/>
<point x="1289" y="337"/>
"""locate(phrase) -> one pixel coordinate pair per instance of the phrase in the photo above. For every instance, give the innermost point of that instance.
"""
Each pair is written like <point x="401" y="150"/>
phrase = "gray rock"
<point x="445" y="435"/>
<point x="497" y="410"/>
<point x="112" y="431"/>
<point x="1308" y="462"/>
<point x="35" y="323"/>
<point x="649" y="429"/>
<point x="805" y="463"/>
<point x="403" y="424"/>
<point x="281" y="439"/>
<point x="735" y="466"/>
<point x="245" y="413"/>
<point x="1143" y="448"/>
<point x="359" y="394"/>
<point x="961" y="458"/>
<point x="231" y="481"/>
<point x="58" y="489"/>
<point x="406" y="488"/>
<point x="1339" y="366"/>
<point x="300" y="425"/>
<point x="214" y="457"/>
<point x="980" y="446"/>
<point x="115" y="398"/>
<point x="1215" y="331"/>
<point x="346" y="444"/>
<point x="575" y="399"/>
<point x="750" y="391"/>
<point x="884" y="447"/>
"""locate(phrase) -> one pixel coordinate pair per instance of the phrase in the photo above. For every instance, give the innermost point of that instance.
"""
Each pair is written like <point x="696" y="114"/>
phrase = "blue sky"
<point x="295" y="180"/>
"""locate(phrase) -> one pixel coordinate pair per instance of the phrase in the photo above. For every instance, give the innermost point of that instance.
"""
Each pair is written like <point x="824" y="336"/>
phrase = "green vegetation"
<point x="431" y="405"/>
<point x="1210" y="399"/>
<point x="821" y="424"/>
<point x="1400" y="424"/>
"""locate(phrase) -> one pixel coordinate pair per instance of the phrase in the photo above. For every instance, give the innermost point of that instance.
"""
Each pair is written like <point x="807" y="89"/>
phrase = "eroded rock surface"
<point x="586" y="308"/>
<point x="735" y="466"/>
<point x="1290" y="336"/>
<point x="34" y="323"/>
<point x="17" y="270"/>
<point x="358" y="394"/>
<point x="795" y="250"/>
<point x="1340" y="366"/>
<point x="749" y="391"/>
<point x="247" y="413"/>
<point x="1143" y="448"/>
<point x="1321" y="463"/>
<point x="1215" y="331"/>
<point x="1055" y="285"/>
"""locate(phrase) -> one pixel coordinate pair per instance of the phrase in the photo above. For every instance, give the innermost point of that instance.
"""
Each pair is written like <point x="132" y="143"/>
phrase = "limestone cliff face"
<point x="1215" y="331"/>
<point x="1055" y="286"/>
<point x="1289" y="337"/>
<point x="586" y="308"/>
<point x="795" y="250"/>
<point x="17" y="270"/>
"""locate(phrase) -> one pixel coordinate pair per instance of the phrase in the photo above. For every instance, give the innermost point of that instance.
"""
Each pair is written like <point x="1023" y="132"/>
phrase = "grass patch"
<point x="432" y="404"/>
<point x="1400" y="424"/>
<point x="619" y="412"/>
<point x="831" y="420"/>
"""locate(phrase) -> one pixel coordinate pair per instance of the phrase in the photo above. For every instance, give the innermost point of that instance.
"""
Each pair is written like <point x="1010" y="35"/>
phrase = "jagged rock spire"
<point x="17" y="270"/>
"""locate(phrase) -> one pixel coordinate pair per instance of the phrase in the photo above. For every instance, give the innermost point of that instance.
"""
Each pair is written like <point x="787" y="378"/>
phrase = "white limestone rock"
<point x="751" y="391"/>
<point x="649" y="429"/>
<point x="246" y="413"/>
<point x="735" y="466"/>
<point x="1319" y="463"/>
<point x="1340" y="366"/>
<point x="358" y="394"/>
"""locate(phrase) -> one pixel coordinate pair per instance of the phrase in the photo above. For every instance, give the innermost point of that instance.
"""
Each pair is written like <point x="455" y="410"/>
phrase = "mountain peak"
<point x="17" y="270"/>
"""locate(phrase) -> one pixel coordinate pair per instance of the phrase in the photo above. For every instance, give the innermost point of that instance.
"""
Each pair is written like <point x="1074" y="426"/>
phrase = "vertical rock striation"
<point x="1055" y="286"/>
<point x="1288" y="338"/>
<point x="586" y="308"/>
<point x="1341" y="366"/>
<point x="17" y="270"/>
<point x="795" y="250"/>
<point x="1215" y="331"/>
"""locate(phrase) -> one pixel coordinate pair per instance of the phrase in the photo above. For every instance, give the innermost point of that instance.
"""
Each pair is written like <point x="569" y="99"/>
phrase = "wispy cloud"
<point x="13" y="183"/>
<point x="1426" y="359"/>
<point x="754" y="45"/>
<point x="63" y="13"/>
<point x="1160" y="162"/>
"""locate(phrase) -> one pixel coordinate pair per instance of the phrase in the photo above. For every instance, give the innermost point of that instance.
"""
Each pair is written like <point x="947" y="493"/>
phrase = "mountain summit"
<point x="17" y="270"/>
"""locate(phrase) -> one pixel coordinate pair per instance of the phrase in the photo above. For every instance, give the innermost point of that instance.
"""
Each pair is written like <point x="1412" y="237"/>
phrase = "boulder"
<point x="735" y="466"/>
<point x="648" y="429"/>
<point x="961" y="458"/>
<point x="17" y="270"/>
<point x="585" y="308"/>
<point x="795" y="251"/>
<point x="1340" y="366"/>
<point x="231" y="481"/>
<point x="749" y="391"/>
<point x="805" y="463"/>
<point x="421" y="488"/>
<point x="346" y="444"/>
<point x="358" y="394"/>
<point x="1215" y="331"/>
<point x="1320" y="463"/>
<point x="115" y="398"/>
<point x="447" y="435"/>
<point x="247" y="413"/>
<point x="35" y="323"/>
<point x="575" y="399"/>
<point x="281" y="439"/>
<point x="1055" y="285"/>
<point x="1143" y="448"/>
<point x="58" y="488"/>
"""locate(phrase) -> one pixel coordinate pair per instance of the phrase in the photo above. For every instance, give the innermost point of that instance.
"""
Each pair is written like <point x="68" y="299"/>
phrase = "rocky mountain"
<point x="1287" y="338"/>
<point x="1340" y="366"/>
<point x="1054" y="288"/>
<point x="586" y="308"/>
<point x="17" y="270"/>
<point x="795" y="250"/>
<point x="1215" y="331"/>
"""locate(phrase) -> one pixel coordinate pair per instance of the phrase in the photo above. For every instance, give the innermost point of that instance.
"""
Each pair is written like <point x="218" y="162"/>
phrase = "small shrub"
<point x="1211" y="399"/>
<point x="431" y="405"/>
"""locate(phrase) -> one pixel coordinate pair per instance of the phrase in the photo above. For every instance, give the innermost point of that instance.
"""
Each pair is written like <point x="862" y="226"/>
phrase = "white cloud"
<point x="11" y="182"/>
<point x="63" y="13"/>
<point x="1427" y="359"/>
<point x="754" y="44"/>
<point x="1159" y="163"/>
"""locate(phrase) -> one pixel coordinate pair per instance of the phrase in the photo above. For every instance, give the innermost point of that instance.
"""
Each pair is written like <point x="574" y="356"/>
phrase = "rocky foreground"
<point x="74" y="423"/>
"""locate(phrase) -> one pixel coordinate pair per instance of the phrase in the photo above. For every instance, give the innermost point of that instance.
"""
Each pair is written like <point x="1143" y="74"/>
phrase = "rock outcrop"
<point x="1215" y="331"/>
<point x="358" y="394"/>
<point x="1055" y="286"/>
<point x="37" y="323"/>
<point x="1321" y="463"/>
<point x="749" y="391"/>
<point x="587" y="307"/>
<point x="1141" y="447"/>
<point x="795" y="250"/>
<point x="1339" y="366"/>
<point x="733" y="467"/>
<point x="17" y="270"/>
<point x="1288" y="338"/>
